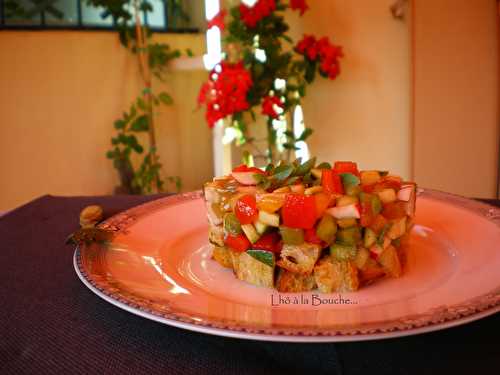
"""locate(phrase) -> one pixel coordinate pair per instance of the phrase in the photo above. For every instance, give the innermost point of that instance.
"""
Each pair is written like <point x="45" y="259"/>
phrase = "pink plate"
<point x="158" y="266"/>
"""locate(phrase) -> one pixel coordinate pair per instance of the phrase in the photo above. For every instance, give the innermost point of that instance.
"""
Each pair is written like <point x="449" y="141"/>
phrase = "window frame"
<point x="80" y="26"/>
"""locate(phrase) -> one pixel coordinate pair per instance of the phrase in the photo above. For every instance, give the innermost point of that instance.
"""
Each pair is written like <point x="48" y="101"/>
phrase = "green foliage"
<point x="270" y="35"/>
<point x="286" y="173"/>
<point x="145" y="178"/>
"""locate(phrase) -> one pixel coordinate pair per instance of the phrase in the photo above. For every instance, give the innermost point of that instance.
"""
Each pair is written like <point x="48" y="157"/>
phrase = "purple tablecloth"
<point x="51" y="323"/>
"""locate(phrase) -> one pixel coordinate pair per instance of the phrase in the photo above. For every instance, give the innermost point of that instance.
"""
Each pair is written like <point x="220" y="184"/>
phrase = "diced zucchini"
<point x="263" y="256"/>
<point x="353" y="190"/>
<point x="292" y="236"/>
<point x="349" y="180"/>
<point x="272" y="220"/>
<point x="343" y="252"/>
<point x="398" y="228"/>
<point x="326" y="229"/>
<point x="260" y="227"/>
<point x="346" y="223"/>
<point x="387" y="195"/>
<point x="376" y="205"/>
<point x="250" y="232"/>
<point x="370" y="238"/>
<point x="232" y="224"/>
<point x="349" y="236"/>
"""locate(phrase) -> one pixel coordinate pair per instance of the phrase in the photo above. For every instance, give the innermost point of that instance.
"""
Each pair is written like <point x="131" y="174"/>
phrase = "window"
<point x="77" y="14"/>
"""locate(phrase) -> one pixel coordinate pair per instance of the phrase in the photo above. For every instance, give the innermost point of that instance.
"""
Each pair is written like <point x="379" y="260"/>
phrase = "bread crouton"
<point x="332" y="275"/>
<point x="289" y="282"/>
<point x="370" y="271"/>
<point x="222" y="255"/>
<point x="299" y="258"/>
<point x="390" y="262"/>
<point x="251" y="270"/>
<point x="216" y="235"/>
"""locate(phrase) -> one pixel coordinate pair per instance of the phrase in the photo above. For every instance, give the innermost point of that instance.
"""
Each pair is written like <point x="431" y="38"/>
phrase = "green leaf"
<point x="141" y="104"/>
<point x="120" y="124"/>
<point x="305" y="134"/>
<point x="140" y="124"/>
<point x="348" y="179"/>
<point x="380" y="238"/>
<point x="165" y="98"/>
<point x="282" y="172"/>
<point x="110" y="154"/>
<point x="324" y="165"/>
<point x="304" y="168"/>
<point x="263" y="256"/>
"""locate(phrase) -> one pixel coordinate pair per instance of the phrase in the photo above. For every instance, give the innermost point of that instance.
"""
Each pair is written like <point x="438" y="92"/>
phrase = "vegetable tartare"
<point x="301" y="226"/>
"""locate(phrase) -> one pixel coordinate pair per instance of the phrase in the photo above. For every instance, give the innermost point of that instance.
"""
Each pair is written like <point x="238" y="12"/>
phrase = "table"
<point x="51" y="323"/>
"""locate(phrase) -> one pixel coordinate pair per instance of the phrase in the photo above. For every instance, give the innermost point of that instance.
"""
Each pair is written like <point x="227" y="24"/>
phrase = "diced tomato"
<point x="246" y="209"/>
<point x="245" y="168"/>
<point x="346" y="167"/>
<point x="323" y="201"/>
<point x="394" y="210"/>
<point x="368" y="188"/>
<point x="269" y="242"/>
<point x="367" y="216"/>
<point x="331" y="182"/>
<point x="238" y="243"/>
<point x="378" y="224"/>
<point x="311" y="237"/>
<point x="299" y="211"/>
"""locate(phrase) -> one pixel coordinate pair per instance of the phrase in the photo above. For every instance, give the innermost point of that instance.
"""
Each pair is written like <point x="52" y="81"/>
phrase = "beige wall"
<point x="455" y="50"/>
<point x="59" y="95"/>
<point x="364" y="114"/>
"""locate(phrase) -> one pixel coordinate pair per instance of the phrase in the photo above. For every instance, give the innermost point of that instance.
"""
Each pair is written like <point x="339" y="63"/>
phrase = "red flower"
<point x="269" y="104"/>
<point x="225" y="92"/>
<point x="261" y="9"/>
<point x="300" y="5"/>
<point x="218" y="20"/>
<point x="307" y="47"/>
<point x="327" y="53"/>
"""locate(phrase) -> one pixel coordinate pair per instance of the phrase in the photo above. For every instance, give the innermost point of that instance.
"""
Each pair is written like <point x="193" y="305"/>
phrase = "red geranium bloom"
<point x="299" y="5"/>
<point x="218" y="20"/>
<point x="268" y="106"/>
<point x="329" y="55"/>
<point x="251" y="15"/>
<point x="308" y="47"/>
<point x="225" y="92"/>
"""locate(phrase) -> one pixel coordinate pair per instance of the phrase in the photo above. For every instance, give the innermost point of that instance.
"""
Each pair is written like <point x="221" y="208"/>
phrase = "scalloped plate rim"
<point x="123" y="219"/>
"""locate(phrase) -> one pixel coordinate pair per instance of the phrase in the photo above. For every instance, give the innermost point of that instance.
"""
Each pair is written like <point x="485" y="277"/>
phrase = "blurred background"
<point x="418" y="94"/>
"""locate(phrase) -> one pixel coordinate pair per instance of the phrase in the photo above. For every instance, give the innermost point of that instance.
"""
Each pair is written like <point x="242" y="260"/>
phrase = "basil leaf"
<point x="263" y="256"/>
<point x="324" y="165"/>
<point x="305" y="167"/>
<point x="282" y="172"/>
